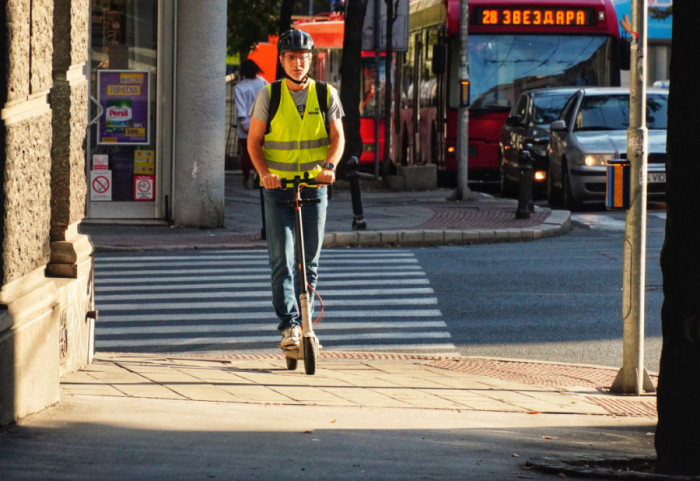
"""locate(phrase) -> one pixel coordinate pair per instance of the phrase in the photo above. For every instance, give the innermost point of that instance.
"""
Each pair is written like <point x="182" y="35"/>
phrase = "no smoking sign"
<point x="101" y="185"/>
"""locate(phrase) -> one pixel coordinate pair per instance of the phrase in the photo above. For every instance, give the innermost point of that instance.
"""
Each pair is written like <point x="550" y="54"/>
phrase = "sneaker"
<point x="291" y="338"/>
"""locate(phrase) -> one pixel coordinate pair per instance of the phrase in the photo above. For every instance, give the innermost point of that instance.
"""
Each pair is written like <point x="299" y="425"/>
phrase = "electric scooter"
<point x="309" y="346"/>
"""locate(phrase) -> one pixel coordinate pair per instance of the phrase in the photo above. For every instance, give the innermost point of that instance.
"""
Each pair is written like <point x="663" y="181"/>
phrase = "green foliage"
<point x="250" y="22"/>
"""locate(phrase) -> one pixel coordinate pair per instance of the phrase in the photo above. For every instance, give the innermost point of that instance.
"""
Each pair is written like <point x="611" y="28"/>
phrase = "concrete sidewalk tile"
<point x="412" y="381"/>
<point x="256" y="365"/>
<point x="82" y="383"/>
<point x="186" y="385"/>
<point x="313" y="395"/>
<point x="366" y="379"/>
<point x="463" y="397"/>
<point x="129" y="383"/>
<point x="517" y="399"/>
<point x="253" y="393"/>
<point x="368" y="397"/>
<point x="418" y="398"/>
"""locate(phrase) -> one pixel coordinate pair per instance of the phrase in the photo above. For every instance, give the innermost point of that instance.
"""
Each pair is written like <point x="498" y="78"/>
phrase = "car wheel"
<point x="507" y="188"/>
<point x="569" y="201"/>
<point x="553" y="192"/>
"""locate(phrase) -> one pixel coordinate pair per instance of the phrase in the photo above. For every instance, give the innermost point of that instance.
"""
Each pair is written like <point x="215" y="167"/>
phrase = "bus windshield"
<point x="502" y="66"/>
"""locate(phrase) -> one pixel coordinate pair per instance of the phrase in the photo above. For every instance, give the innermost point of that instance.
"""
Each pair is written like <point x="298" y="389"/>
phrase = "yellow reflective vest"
<point x="295" y="145"/>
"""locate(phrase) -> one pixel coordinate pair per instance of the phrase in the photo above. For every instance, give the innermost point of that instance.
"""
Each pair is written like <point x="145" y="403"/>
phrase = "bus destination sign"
<point x="534" y="16"/>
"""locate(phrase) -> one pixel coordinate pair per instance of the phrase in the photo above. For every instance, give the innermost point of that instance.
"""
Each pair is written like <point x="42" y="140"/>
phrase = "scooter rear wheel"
<point x="310" y="351"/>
<point x="291" y="363"/>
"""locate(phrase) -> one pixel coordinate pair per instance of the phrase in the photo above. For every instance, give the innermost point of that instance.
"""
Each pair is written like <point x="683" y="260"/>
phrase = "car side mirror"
<point x="558" y="125"/>
<point x="514" y="121"/>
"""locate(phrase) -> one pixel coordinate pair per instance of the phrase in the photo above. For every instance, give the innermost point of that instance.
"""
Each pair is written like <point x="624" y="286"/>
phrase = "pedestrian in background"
<point x="244" y="94"/>
<point x="298" y="143"/>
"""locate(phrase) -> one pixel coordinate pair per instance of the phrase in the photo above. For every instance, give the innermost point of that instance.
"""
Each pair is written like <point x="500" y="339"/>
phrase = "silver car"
<point x="592" y="129"/>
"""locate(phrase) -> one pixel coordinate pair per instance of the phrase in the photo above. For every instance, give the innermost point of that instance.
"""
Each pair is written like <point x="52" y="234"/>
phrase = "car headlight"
<point x="597" y="159"/>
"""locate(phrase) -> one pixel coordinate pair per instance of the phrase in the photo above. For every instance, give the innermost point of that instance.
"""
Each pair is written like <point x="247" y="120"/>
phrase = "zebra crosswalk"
<point x="220" y="301"/>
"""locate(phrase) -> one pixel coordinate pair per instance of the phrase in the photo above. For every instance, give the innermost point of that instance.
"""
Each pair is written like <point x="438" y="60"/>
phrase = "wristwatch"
<point x="329" y="165"/>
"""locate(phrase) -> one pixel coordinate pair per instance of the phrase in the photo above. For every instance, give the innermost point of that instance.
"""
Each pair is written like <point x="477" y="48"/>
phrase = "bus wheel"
<point x="434" y="146"/>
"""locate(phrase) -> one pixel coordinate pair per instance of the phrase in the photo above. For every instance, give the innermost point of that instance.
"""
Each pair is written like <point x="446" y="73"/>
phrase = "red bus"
<point x="328" y="31"/>
<point x="513" y="45"/>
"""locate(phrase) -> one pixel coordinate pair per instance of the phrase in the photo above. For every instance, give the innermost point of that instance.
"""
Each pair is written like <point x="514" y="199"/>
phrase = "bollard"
<point x="358" y="217"/>
<point x="525" y="202"/>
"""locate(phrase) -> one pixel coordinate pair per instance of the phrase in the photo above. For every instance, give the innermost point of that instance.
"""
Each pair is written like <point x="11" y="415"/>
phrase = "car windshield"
<point x="612" y="112"/>
<point x="548" y="107"/>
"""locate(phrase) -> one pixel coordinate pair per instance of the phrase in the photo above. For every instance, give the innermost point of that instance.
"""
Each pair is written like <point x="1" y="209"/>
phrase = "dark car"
<point x="528" y="125"/>
<point x="591" y="130"/>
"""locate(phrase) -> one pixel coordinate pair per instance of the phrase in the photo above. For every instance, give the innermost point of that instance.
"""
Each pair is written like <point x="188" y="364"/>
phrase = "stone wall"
<point x="46" y="268"/>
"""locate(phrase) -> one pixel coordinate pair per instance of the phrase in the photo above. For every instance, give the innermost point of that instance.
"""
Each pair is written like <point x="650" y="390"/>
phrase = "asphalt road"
<point x="558" y="299"/>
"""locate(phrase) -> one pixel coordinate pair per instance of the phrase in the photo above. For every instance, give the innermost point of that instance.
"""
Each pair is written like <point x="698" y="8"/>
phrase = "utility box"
<point x="617" y="184"/>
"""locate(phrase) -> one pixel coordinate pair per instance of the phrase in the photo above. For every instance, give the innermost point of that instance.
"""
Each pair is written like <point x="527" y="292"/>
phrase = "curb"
<point x="558" y="222"/>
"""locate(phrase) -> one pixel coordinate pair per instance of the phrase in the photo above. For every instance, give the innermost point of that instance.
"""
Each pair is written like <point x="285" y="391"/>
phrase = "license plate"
<point x="656" y="177"/>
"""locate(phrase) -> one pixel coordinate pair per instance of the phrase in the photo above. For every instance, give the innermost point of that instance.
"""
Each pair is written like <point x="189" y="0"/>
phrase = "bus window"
<point x="368" y="97"/>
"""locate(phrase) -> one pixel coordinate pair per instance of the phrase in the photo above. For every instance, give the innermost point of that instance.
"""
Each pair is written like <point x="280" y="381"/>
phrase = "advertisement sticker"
<point x="125" y="98"/>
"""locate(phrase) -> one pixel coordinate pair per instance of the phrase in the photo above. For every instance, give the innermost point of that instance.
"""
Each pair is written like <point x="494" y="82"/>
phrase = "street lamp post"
<point x="462" y="192"/>
<point x="633" y="377"/>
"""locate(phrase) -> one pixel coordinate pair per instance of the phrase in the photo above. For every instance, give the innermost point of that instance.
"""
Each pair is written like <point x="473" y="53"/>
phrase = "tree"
<point x="678" y="397"/>
<point x="250" y="22"/>
<point x="350" y="65"/>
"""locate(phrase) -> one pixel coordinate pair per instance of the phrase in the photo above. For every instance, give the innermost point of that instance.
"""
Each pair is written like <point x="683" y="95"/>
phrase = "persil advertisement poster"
<point x="124" y="98"/>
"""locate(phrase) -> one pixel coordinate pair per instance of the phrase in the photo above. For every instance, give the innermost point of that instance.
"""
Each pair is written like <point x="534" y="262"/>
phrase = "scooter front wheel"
<point x="291" y="363"/>
<point x="310" y="353"/>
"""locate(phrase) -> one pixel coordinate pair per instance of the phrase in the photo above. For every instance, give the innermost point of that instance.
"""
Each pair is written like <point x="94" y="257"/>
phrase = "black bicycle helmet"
<point x="294" y="40"/>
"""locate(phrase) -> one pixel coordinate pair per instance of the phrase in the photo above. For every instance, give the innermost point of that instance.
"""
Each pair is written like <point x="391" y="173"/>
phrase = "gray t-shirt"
<point x="261" y="106"/>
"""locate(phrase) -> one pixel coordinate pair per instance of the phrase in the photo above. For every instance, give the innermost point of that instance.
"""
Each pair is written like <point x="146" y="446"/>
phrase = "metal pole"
<point x="462" y="192"/>
<point x="632" y="377"/>
<point x="377" y="84"/>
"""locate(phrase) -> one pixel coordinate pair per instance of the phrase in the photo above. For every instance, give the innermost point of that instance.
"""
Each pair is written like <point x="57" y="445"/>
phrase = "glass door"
<point x="125" y="168"/>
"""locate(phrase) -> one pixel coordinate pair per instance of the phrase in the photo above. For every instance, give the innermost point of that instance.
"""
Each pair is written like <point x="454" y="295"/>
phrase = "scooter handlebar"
<point x="300" y="180"/>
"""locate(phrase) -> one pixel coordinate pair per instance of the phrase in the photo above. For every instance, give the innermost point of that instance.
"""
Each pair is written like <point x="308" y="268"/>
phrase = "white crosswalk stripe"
<point x="220" y="301"/>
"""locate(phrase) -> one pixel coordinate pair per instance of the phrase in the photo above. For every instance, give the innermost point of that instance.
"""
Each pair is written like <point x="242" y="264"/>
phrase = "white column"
<point x="200" y="112"/>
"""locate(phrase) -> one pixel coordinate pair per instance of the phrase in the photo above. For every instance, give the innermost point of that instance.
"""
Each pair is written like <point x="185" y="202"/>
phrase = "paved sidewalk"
<point x="362" y="416"/>
<point x="394" y="218"/>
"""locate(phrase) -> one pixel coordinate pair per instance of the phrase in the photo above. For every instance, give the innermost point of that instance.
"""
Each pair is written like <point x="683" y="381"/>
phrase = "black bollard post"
<point x="358" y="217"/>
<point x="525" y="202"/>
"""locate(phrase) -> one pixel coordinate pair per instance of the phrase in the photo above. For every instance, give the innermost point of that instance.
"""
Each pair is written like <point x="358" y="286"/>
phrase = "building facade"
<point x="122" y="99"/>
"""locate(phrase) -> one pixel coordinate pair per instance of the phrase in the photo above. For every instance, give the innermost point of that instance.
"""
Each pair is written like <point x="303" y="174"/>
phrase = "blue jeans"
<point x="279" y="229"/>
